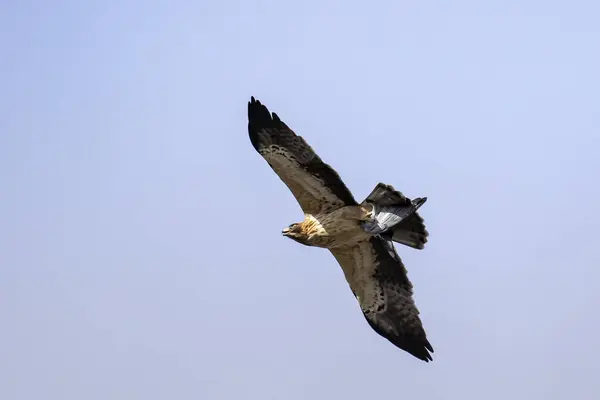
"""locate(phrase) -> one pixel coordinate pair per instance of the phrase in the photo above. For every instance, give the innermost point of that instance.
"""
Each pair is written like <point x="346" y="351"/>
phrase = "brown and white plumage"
<point x="360" y="236"/>
<point x="316" y="186"/>
<point x="379" y="280"/>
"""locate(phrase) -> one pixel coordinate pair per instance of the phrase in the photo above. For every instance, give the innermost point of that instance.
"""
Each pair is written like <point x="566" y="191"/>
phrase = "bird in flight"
<point x="360" y="236"/>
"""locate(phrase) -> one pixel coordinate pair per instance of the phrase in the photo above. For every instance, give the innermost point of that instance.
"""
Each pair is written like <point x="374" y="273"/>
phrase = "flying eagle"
<point x="360" y="236"/>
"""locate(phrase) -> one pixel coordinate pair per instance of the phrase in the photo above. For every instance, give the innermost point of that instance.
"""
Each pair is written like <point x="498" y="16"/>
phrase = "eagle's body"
<point x="338" y="228"/>
<point x="360" y="236"/>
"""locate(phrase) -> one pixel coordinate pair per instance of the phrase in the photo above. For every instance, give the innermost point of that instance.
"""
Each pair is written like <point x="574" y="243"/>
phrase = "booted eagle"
<point x="360" y="236"/>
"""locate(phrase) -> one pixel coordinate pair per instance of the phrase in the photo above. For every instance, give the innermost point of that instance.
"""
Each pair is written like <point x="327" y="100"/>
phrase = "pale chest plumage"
<point x="339" y="228"/>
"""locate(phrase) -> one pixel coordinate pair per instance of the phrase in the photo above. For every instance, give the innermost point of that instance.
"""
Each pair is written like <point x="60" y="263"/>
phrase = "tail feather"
<point x="386" y="195"/>
<point x="411" y="232"/>
<point x="396" y="216"/>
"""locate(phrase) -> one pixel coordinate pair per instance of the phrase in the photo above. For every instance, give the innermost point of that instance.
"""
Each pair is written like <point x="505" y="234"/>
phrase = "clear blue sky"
<point x="140" y="246"/>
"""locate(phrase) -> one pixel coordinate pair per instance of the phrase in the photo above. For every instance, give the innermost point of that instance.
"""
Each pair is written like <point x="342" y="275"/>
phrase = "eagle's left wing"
<point x="379" y="280"/>
<point x="316" y="186"/>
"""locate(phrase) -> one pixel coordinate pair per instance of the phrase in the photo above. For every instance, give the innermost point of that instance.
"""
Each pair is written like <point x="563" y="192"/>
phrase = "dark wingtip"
<point x="259" y="118"/>
<point x="428" y="346"/>
<point x="417" y="348"/>
<point x="423" y="353"/>
<point x="258" y="115"/>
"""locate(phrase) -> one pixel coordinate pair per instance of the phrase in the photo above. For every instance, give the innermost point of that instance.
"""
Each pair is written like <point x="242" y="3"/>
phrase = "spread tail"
<point x="396" y="216"/>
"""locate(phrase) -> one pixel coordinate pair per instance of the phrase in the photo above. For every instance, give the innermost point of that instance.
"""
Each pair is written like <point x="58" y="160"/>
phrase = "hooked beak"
<point x="285" y="232"/>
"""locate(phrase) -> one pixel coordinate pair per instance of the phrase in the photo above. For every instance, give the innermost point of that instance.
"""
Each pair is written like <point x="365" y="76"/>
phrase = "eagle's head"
<point x="295" y="232"/>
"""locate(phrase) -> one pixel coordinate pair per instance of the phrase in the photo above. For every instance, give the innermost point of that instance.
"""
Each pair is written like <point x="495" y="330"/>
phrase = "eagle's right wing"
<point x="379" y="280"/>
<point x="316" y="186"/>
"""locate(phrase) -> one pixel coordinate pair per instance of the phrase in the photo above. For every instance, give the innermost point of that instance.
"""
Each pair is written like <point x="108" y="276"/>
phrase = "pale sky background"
<point x="140" y="247"/>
